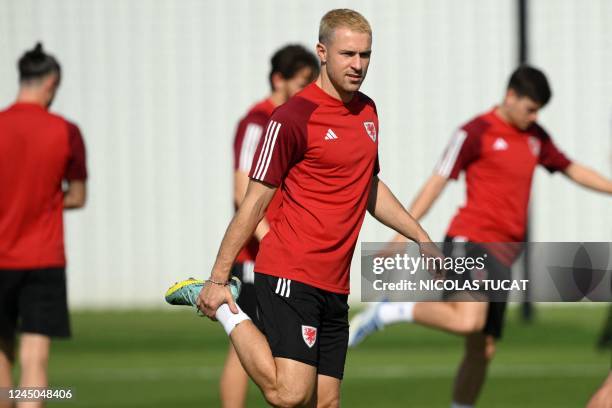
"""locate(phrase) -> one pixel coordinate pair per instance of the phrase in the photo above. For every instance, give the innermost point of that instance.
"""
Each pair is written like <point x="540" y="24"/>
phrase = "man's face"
<point x="346" y="58"/>
<point x="298" y="82"/>
<point x="522" y="110"/>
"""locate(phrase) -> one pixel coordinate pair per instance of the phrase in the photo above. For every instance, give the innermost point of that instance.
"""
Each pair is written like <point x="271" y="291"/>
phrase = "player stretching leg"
<point x="498" y="151"/>
<point x="292" y="68"/>
<point x="321" y="149"/>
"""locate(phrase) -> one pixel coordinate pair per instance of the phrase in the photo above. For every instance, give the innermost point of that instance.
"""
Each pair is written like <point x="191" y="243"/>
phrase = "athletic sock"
<point x="393" y="312"/>
<point x="228" y="319"/>
<point x="457" y="405"/>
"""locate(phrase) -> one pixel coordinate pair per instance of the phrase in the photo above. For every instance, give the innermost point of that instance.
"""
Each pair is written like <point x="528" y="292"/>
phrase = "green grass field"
<point x="170" y="359"/>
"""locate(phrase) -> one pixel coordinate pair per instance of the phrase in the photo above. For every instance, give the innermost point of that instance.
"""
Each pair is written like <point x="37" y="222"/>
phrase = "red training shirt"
<point x="325" y="154"/>
<point x="499" y="160"/>
<point x="38" y="150"/>
<point x="246" y="140"/>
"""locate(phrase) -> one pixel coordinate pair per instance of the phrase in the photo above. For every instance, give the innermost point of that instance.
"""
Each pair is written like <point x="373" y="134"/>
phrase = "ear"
<point x="322" y="52"/>
<point x="278" y="82"/>
<point x="510" y="96"/>
<point x="50" y="82"/>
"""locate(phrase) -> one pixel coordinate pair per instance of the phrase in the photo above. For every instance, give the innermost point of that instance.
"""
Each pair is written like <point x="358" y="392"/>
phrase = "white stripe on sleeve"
<point x="268" y="159"/>
<point x="446" y="164"/>
<point x="265" y="143"/>
<point x="252" y="135"/>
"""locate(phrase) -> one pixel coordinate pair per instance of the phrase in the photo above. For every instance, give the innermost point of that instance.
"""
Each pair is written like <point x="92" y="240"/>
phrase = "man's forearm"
<point x="241" y="182"/>
<point x="237" y="234"/>
<point x="71" y="202"/>
<point x="387" y="209"/>
<point x="75" y="195"/>
<point x="423" y="202"/>
<point x="427" y="196"/>
<point x="404" y="224"/>
<point x="589" y="178"/>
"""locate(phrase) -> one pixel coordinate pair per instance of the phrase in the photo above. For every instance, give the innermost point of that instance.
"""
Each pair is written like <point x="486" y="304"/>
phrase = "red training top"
<point x="38" y="150"/>
<point x="499" y="161"/>
<point x="325" y="154"/>
<point x="246" y="141"/>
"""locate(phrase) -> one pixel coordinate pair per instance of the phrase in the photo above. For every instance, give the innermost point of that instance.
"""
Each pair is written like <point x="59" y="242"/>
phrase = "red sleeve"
<point x="463" y="149"/>
<point x="247" y="138"/>
<point x="550" y="157"/>
<point x="76" y="168"/>
<point x="280" y="149"/>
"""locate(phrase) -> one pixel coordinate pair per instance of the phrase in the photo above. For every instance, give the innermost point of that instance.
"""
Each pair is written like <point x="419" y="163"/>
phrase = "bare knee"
<point x="295" y="384"/>
<point x="34" y="353"/>
<point x="282" y="397"/>
<point x="33" y="359"/>
<point x="470" y="324"/>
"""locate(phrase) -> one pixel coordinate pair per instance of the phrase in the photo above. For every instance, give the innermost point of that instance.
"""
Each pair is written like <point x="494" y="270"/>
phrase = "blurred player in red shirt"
<point x="321" y="150"/>
<point x="498" y="151"/>
<point x="40" y="151"/>
<point x="292" y="68"/>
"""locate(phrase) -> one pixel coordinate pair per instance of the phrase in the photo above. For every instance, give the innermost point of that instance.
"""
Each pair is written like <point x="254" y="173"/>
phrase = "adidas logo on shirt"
<point x="500" y="144"/>
<point x="330" y="135"/>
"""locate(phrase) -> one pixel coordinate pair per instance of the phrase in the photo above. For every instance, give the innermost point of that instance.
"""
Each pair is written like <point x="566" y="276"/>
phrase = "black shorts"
<point x="303" y="323"/>
<point x="247" y="300"/>
<point x="494" y="269"/>
<point x="34" y="301"/>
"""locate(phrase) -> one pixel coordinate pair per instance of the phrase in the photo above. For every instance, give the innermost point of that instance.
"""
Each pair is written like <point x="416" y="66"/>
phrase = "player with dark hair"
<point x="292" y="68"/>
<point x="36" y="64"/>
<point x="292" y="62"/>
<point x="498" y="151"/>
<point x="39" y="151"/>
<point x="321" y="150"/>
<point x="527" y="81"/>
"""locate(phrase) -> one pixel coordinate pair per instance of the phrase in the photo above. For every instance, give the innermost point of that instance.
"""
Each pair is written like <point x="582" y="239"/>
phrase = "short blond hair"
<point x="342" y="18"/>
